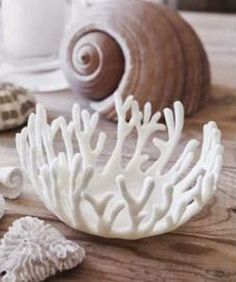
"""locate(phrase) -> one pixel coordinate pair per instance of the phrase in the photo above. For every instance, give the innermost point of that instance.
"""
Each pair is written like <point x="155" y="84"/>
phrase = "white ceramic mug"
<point x="33" y="28"/>
<point x="32" y="31"/>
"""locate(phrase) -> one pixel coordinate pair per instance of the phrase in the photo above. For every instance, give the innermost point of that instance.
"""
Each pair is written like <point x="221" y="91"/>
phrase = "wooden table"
<point x="202" y="250"/>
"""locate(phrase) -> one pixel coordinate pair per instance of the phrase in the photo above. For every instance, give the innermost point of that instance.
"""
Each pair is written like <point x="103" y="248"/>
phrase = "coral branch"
<point x="182" y="165"/>
<point x="84" y="136"/>
<point x="175" y="124"/>
<point x="136" y="205"/>
<point x="100" y="207"/>
<point x="159" y="212"/>
<point x="124" y="128"/>
<point x="211" y="155"/>
<point x="145" y="125"/>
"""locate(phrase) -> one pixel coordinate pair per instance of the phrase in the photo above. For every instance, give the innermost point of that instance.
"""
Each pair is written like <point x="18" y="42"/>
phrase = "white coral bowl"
<point x="120" y="201"/>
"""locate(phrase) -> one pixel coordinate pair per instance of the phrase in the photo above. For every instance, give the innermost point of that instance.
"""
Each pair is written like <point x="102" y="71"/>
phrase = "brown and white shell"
<point x="16" y="104"/>
<point x="32" y="251"/>
<point x="135" y="47"/>
<point x="11" y="182"/>
<point x="2" y="203"/>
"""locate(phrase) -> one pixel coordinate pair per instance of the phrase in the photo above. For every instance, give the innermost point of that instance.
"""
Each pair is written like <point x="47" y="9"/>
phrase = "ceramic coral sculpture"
<point x="16" y="104"/>
<point x="32" y="250"/>
<point x="117" y="200"/>
<point x="139" y="48"/>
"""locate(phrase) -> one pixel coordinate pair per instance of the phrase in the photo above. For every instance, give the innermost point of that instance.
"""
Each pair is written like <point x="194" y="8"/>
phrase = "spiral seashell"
<point x="135" y="47"/>
<point x="11" y="182"/>
<point x="89" y="65"/>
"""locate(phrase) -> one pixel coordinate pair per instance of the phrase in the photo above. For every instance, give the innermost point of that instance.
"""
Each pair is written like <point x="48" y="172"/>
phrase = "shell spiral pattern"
<point x="32" y="251"/>
<point x="11" y="182"/>
<point x="135" y="47"/>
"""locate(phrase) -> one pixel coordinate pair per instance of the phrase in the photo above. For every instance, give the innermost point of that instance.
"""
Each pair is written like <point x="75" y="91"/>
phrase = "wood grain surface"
<point x="207" y="5"/>
<point x="202" y="250"/>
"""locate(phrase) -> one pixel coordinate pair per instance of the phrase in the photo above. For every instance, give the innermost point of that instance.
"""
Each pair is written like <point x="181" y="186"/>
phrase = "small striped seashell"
<point x="138" y="48"/>
<point x="11" y="182"/>
<point x="16" y="104"/>
<point x="33" y="251"/>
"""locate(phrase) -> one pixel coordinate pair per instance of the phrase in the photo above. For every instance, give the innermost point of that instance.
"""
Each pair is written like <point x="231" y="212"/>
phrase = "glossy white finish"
<point x="117" y="200"/>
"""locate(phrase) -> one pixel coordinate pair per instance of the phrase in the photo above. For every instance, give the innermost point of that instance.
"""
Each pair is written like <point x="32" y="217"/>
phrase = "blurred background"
<point x="34" y="63"/>
<point x="228" y="6"/>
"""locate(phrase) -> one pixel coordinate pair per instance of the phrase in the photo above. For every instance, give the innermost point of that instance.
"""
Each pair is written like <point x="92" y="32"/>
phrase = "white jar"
<point x="33" y="28"/>
<point x="31" y="34"/>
